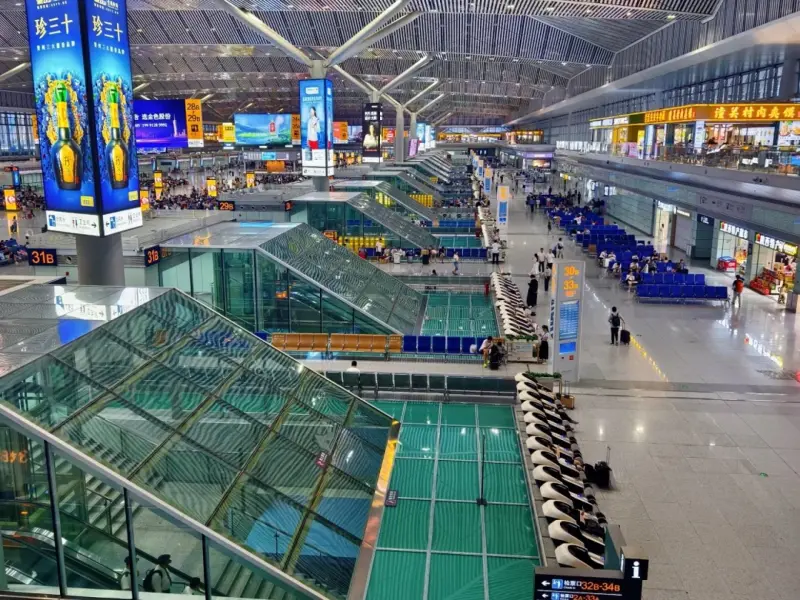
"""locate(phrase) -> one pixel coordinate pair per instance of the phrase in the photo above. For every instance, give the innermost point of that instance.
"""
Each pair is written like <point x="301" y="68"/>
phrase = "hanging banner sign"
<point x="250" y="179"/>
<point x="144" y="199"/>
<point x="158" y="181"/>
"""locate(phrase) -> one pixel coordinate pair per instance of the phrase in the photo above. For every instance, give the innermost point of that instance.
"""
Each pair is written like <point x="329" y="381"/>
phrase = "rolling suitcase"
<point x="624" y="337"/>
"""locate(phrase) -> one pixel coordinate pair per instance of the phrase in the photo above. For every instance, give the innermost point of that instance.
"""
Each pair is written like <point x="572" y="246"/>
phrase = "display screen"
<point x="168" y="124"/>
<point x="263" y="129"/>
<point x="296" y="136"/>
<point x="413" y="144"/>
<point x="42" y="257"/>
<point x="568" y="319"/>
<point x="316" y="96"/>
<point x="371" y="127"/>
<point x="428" y="137"/>
<point x="421" y="135"/>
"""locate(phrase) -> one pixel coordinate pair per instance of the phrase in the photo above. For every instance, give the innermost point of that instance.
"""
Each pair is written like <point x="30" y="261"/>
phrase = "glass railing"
<point x="772" y="160"/>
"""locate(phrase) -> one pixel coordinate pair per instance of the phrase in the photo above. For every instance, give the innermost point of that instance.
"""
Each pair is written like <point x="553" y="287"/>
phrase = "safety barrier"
<point x="463" y="253"/>
<point x="423" y="383"/>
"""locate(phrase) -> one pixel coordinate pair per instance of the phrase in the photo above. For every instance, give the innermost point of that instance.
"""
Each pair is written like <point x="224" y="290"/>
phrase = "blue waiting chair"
<point x="680" y="279"/>
<point x="454" y="345"/>
<point x="699" y="279"/>
<point x="409" y="343"/>
<point x="466" y="342"/>
<point x="439" y="344"/>
<point x="424" y="344"/>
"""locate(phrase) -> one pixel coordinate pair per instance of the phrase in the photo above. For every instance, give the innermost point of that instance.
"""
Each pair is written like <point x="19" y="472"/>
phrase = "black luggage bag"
<point x="624" y="337"/>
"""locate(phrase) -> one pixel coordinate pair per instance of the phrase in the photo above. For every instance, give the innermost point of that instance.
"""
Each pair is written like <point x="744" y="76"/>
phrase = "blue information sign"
<point x="569" y="318"/>
<point x="85" y="114"/>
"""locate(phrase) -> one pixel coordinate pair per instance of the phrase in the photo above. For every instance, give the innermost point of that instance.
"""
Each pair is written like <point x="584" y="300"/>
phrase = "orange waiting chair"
<point x="278" y="340"/>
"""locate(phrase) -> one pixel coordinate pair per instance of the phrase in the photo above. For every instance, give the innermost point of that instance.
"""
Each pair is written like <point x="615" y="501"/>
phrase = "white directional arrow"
<point x="546" y="582"/>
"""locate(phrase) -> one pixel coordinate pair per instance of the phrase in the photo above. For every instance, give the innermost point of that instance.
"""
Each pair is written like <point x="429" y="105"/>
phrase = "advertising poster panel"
<point x="296" y="136"/>
<point x="168" y="124"/>
<point x="316" y="97"/>
<point x="340" y="135"/>
<point x="371" y="128"/>
<point x="262" y="129"/>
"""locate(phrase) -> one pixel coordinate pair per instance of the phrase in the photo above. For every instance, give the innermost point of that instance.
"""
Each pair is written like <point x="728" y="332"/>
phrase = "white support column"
<point x="399" y="138"/>
<point x="412" y="130"/>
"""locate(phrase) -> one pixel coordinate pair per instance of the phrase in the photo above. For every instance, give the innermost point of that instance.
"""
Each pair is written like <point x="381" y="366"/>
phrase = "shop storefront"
<point x="533" y="136"/>
<point x="732" y="248"/>
<point x="774" y="268"/>
<point x="684" y="230"/>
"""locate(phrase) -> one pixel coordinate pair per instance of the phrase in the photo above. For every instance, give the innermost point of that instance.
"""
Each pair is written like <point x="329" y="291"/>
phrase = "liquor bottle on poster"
<point x="116" y="150"/>
<point x="66" y="154"/>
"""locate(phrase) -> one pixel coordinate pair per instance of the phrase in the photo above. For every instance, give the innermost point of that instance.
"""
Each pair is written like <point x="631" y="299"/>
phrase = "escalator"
<point x="394" y="222"/>
<point x="412" y="183"/>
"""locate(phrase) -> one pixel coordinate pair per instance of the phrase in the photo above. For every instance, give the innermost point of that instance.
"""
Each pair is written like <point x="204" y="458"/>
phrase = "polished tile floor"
<point x="702" y="415"/>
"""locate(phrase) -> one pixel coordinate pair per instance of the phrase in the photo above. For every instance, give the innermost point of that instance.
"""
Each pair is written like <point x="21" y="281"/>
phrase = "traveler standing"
<point x="615" y="320"/>
<point x="157" y="578"/>
<point x="533" y="292"/>
<point x="495" y="253"/>
<point x="560" y="249"/>
<point x="540" y="258"/>
<point x="548" y="273"/>
<point x="738" y="288"/>
<point x="456" y="263"/>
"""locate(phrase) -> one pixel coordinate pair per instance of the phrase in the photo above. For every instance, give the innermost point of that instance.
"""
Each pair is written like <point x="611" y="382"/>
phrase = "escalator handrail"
<point x="113" y="539"/>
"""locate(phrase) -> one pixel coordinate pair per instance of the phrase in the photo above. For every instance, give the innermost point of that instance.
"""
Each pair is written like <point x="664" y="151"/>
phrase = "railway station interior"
<point x="399" y="300"/>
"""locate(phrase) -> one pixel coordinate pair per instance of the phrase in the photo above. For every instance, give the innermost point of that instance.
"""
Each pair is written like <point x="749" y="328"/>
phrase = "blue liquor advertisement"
<point x="313" y="136"/>
<point x="112" y="94"/>
<point x="160" y="124"/>
<point x="329" y="125"/>
<point x="263" y="129"/>
<point x="62" y="110"/>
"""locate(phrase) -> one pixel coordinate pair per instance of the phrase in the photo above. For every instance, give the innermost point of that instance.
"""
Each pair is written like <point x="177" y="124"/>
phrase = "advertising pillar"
<point x="316" y="129"/>
<point x="503" y="196"/>
<point x="371" y="122"/>
<point x="81" y="71"/>
<point x="565" y="317"/>
<point x="399" y="137"/>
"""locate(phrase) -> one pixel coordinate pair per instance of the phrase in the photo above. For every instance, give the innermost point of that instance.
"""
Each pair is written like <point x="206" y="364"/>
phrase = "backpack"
<point x="738" y="285"/>
<point x="616" y="320"/>
<point x="147" y="584"/>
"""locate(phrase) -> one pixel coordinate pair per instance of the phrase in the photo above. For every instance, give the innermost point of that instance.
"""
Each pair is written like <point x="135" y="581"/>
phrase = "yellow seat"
<point x="337" y="342"/>
<point x="278" y="340"/>
<point x="305" y="342"/>
<point x="320" y="343"/>
<point x="351" y="343"/>
<point x="395" y="344"/>
<point x="292" y="342"/>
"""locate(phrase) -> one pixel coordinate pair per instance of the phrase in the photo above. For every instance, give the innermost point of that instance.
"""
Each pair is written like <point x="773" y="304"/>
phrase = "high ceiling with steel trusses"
<point x="493" y="58"/>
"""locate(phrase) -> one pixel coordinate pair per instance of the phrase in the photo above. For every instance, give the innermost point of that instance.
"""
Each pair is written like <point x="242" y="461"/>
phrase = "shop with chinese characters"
<point x="774" y="266"/>
<point x="532" y="136"/>
<point x="731" y="250"/>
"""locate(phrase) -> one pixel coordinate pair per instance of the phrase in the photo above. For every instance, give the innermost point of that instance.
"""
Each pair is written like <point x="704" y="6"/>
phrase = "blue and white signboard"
<point x="487" y="185"/>
<point x="566" y="298"/>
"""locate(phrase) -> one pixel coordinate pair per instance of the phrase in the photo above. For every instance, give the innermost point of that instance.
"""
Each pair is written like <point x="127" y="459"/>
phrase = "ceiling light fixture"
<point x="550" y="8"/>
<point x="563" y="64"/>
<point x="670" y="17"/>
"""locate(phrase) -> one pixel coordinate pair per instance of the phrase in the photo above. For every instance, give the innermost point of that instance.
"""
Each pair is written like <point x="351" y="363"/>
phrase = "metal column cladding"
<point x="84" y="107"/>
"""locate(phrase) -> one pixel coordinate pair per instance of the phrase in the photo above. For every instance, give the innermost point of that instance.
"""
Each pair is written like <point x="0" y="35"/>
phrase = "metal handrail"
<point x="142" y="496"/>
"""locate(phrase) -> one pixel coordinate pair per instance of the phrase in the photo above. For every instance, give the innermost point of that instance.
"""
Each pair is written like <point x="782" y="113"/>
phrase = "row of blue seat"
<point x="674" y="278"/>
<point x="464" y="253"/>
<point x="438" y="344"/>
<point x="593" y="238"/>
<point x="689" y="292"/>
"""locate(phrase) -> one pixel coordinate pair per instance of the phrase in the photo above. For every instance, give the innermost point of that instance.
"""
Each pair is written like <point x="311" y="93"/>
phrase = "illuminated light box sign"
<point x="84" y="107"/>
<point x="263" y="129"/>
<point x="10" y="199"/>
<point x="316" y="127"/>
<point x="340" y="134"/>
<point x="42" y="257"/>
<point x="371" y="119"/>
<point x="168" y="124"/>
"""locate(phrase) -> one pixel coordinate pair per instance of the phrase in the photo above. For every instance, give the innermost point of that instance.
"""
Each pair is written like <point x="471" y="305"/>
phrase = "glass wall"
<point x="258" y="293"/>
<point x="183" y="455"/>
<point x="16" y="134"/>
